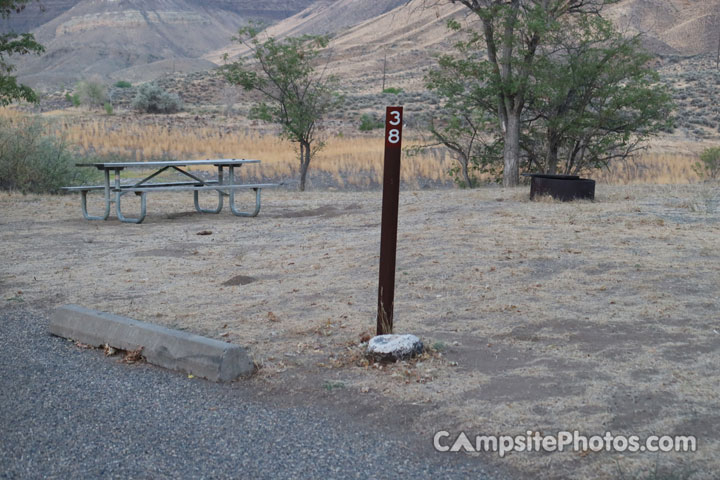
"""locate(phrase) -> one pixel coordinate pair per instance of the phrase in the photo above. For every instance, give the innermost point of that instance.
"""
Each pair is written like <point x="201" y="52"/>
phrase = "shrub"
<point x="151" y="98"/>
<point x="369" y="122"/>
<point x="109" y="108"/>
<point x="122" y="84"/>
<point x="31" y="161"/>
<point x="393" y="90"/>
<point x="73" y="99"/>
<point x="709" y="164"/>
<point x="91" y="93"/>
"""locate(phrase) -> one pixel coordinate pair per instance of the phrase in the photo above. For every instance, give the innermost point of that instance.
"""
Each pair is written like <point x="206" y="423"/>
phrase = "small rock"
<point x="394" y="347"/>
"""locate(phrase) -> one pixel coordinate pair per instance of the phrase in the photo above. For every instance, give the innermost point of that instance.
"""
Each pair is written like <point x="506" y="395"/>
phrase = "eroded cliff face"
<point x="141" y="39"/>
<point x="125" y="19"/>
<point x="36" y="14"/>
<point x="106" y="37"/>
<point x="270" y="10"/>
<point x="685" y="27"/>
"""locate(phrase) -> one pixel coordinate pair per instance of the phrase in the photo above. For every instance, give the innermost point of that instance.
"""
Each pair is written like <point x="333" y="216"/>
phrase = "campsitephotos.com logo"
<point x="563" y="441"/>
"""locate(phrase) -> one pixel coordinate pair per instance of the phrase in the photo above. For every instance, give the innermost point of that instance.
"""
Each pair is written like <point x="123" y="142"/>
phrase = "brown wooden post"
<point x="388" y="234"/>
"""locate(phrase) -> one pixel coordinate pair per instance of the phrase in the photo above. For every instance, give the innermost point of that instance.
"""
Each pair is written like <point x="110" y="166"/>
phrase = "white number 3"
<point x="396" y="114"/>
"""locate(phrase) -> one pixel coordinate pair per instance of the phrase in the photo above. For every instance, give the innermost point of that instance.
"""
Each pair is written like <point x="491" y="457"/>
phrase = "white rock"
<point x="394" y="347"/>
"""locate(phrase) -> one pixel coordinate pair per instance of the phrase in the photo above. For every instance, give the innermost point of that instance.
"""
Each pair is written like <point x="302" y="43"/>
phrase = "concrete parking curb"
<point x="176" y="350"/>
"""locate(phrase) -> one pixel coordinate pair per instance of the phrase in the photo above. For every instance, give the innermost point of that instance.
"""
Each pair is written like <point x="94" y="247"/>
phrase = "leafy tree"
<point x="586" y="97"/>
<point x="295" y="94"/>
<point x="593" y="99"/>
<point x="512" y="32"/>
<point x="461" y="125"/>
<point x="14" y="44"/>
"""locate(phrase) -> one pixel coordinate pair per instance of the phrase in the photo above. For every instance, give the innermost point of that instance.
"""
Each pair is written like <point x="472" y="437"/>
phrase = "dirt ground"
<point x="590" y="316"/>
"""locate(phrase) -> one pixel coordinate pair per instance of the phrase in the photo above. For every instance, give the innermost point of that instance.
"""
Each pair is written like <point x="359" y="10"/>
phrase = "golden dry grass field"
<point x="346" y="161"/>
<point x="591" y="316"/>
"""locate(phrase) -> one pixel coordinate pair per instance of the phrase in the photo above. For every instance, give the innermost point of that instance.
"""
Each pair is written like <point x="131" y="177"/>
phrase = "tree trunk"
<point x="551" y="155"/>
<point x="511" y="151"/>
<point x="304" y="163"/>
<point x="466" y="173"/>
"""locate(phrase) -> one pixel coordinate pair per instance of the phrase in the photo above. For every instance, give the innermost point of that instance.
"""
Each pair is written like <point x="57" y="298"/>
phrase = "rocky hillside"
<point x="398" y="36"/>
<point x="322" y="17"/>
<point x="683" y="27"/>
<point x="133" y="39"/>
<point x="140" y="40"/>
<point x="36" y="14"/>
<point x="401" y="36"/>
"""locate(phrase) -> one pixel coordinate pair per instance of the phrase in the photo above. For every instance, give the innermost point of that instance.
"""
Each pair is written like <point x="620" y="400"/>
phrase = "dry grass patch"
<point x="355" y="161"/>
<point x="348" y="161"/>
<point x="593" y="316"/>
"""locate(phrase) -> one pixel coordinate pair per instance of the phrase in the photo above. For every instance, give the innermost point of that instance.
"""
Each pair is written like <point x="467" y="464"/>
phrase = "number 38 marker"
<point x="393" y="126"/>
<point x="388" y="234"/>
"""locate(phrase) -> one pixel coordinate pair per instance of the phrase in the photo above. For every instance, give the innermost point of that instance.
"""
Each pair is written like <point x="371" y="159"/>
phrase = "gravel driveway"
<point x="66" y="412"/>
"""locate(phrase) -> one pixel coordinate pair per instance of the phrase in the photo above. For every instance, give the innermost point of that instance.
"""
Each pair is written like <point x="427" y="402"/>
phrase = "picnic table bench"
<point x="114" y="191"/>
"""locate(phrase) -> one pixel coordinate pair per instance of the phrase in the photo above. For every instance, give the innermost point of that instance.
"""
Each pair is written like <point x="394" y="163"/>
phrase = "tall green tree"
<point x="14" y="44"/>
<point x="588" y="96"/>
<point x="594" y="99"/>
<point x="297" y="92"/>
<point x="512" y="32"/>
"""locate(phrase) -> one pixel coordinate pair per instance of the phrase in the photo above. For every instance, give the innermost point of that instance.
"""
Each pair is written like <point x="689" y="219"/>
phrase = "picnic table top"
<point x="171" y="163"/>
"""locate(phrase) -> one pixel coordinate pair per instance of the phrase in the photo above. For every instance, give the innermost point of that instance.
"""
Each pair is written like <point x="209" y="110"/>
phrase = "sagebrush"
<point x="91" y="93"/>
<point x="151" y="98"/>
<point x="31" y="161"/>
<point x="709" y="165"/>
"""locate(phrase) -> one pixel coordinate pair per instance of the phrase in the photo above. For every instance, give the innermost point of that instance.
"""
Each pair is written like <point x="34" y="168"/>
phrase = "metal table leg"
<point x="125" y="219"/>
<point x="118" y="196"/>
<point x="108" y="201"/>
<point x="238" y="213"/>
<point x="220" y="196"/>
<point x="234" y="210"/>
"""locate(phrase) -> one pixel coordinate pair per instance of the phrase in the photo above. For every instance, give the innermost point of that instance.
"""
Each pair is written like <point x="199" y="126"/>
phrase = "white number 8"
<point x="397" y="118"/>
<point x="394" y="135"/>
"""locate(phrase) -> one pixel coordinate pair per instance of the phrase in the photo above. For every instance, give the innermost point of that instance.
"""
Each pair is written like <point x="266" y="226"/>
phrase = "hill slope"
<point x="409" y="34"/>
<point x="322" y="17"/>
<point x="102" y="38"/>
<point x="36" y="14"/>
<point x="398" y="35"/>
<point x="140" y="40"/>
<point x="685" y="27"/>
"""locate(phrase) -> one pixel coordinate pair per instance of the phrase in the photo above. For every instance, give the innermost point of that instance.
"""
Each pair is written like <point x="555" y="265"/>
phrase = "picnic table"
<point x="115" y="190"/>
